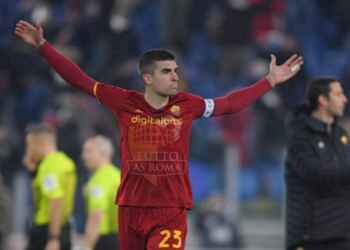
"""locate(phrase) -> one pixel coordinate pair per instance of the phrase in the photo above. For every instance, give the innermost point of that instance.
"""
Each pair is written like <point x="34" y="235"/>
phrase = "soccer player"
<point x="100" y="192"/>
<point x="53" y="183"/>
<point x="155" y="126"/>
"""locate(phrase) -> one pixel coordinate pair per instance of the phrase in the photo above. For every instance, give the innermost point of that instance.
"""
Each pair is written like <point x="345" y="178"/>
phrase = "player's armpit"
<point x="109" y="95"/>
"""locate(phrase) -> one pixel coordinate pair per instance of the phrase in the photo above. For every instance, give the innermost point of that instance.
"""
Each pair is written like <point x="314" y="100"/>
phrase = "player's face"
<point x="336" y="100"/>
<point x="165" y="79"/>
<point x="90" y="154"/>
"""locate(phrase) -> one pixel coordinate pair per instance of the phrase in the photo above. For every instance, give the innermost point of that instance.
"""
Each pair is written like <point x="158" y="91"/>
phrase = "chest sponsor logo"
<point x="160" y="121"/>
<point x="151" y="143"/>
<point x="146" y="132"/>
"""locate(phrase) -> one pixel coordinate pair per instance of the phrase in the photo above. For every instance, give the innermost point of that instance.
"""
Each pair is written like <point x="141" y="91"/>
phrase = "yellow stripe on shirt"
<point x="94" y="90"/>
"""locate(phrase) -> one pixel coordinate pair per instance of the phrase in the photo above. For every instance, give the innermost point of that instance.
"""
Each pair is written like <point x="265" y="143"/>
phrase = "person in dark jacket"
<point x="318" y="171"/>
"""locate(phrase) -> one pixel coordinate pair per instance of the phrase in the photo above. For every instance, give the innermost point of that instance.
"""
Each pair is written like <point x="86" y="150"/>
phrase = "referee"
<point x="100" y="193"/>
<point x="53" y="183"/>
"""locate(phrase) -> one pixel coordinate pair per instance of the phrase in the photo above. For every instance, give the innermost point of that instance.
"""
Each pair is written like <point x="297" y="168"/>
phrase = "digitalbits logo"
<point x="150" y="141"/>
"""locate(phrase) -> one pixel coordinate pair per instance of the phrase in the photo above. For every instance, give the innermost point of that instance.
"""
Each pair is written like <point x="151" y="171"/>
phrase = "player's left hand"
<point x="281" y="73"/>
<point x="53" y="244"/>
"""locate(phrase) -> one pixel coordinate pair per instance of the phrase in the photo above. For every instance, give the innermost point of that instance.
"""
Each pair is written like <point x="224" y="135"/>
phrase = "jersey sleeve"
<point x="67" y="69"/>
<point x="97" y="198"/>
<point x="199" y="106"/>
<point x="238" y="100"/>
<point x="111" y="96"/>
<point x="51" y="185"/>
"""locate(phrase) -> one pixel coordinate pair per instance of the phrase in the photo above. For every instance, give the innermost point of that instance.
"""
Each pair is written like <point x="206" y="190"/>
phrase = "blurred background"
<point x="236" y="161"/>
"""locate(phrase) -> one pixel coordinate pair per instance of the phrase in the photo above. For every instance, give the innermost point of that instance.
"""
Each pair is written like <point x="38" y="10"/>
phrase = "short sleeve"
<point x="111" y="96"/>
<point x="51" y="186"/>
<point x="97" y="198"/>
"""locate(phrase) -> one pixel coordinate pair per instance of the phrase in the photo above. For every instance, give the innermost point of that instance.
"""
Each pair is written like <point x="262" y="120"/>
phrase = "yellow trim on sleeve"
<point x="94" y="90"/>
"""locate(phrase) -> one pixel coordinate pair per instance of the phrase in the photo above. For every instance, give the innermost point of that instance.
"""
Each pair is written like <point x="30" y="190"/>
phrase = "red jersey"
<point x="154" y="146"/>
<point x="154" y="143"/>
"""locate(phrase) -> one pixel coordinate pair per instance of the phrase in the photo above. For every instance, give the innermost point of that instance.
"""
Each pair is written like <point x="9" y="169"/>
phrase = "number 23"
<point x="167" y="234"/>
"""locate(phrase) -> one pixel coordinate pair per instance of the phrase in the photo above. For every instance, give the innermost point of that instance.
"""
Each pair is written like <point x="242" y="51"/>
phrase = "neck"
<point x="155" y="100"/>
<point x="323" y="116"/>
<point x="102" y="163"/>
<point x="49" y="149"/>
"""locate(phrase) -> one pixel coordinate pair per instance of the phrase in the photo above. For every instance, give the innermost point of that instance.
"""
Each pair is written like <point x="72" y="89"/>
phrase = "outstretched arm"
<point x="69" y="71"/>
<point x="238" y="100"/>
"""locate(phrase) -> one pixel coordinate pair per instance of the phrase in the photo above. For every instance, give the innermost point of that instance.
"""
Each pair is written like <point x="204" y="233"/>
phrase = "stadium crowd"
<point x="221" y="44"/>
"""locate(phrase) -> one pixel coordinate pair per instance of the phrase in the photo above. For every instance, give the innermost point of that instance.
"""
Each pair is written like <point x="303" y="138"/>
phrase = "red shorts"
<point x="152" y="228"/>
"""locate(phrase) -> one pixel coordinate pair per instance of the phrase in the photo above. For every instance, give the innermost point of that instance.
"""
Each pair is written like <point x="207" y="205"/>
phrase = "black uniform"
<point x="318" y="185"/>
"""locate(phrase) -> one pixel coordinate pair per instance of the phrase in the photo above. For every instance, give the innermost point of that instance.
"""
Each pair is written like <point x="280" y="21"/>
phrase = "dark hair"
<point x="148" y="59"/>
<point x="38" y="129"/>
<point x="316" y="88"/>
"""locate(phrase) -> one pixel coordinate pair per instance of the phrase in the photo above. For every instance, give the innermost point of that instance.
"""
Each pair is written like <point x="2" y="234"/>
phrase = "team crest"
<point x="175" y="109"/>
<point x="344" y="139"/>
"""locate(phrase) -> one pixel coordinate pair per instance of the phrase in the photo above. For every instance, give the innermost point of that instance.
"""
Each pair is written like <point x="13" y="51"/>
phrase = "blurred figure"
<point x="318" y="171"/>
<point x="100" y="192"/>
<point x="217" y="232"/>
<point x="53" y="183"/>
<point x="5" y="211"/>
<point x="175" y="14"/>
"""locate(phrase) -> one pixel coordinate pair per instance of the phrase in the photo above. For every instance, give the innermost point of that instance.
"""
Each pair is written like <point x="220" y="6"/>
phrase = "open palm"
<point x="29" y="33"/>
<point x="281" y="73"/>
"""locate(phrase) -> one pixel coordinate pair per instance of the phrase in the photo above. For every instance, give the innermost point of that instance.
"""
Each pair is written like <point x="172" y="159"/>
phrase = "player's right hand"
<point x="31" y="34"/>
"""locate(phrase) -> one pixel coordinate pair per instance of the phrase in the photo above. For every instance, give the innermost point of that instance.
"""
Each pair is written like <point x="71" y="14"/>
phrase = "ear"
<point x="147" y="78"/>
<point x="322" y="101"/>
